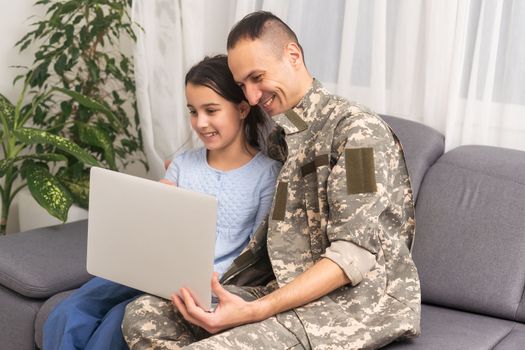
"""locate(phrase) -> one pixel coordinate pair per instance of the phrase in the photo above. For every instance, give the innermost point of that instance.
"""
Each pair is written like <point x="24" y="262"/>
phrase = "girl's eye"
<point x="211" y="111"/>
<point x="193" y="113"/>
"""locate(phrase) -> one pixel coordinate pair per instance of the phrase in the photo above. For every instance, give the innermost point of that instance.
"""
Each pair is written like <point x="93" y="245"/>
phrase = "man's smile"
<point x="266" y="103"/>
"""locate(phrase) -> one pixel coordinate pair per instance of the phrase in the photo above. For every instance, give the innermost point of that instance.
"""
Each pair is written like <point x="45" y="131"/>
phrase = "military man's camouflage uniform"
<point x="344" y="179"/>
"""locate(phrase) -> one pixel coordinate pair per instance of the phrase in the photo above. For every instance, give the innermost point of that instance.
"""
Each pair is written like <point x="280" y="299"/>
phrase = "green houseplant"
<point x="78" y="51"/>
<point x="32" y="164"/>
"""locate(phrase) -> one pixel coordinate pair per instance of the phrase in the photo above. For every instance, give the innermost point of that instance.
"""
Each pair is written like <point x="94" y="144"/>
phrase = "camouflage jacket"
<point x="344" y="178"/>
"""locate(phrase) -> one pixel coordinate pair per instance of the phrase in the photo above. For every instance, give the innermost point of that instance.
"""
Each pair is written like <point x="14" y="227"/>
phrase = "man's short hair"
<point x="257" y="24"/>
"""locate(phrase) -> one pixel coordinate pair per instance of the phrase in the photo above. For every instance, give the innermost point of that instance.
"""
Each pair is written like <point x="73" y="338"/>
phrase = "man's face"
<point x="266" y="77"/>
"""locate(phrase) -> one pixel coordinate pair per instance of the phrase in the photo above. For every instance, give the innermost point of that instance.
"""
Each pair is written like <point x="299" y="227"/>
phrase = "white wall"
<point x="14" y="23"/>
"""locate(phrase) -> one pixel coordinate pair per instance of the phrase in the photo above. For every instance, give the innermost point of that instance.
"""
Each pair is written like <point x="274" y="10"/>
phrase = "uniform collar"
<point x="301" y="117"/>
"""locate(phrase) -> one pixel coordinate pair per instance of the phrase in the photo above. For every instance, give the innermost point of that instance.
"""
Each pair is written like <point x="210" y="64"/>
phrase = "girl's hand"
<point x="167" y="182"/>
<point x="231" y="311"/>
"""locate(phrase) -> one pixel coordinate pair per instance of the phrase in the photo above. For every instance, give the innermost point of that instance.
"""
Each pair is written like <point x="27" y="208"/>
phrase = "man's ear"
<point x="244" y="109"/>
<point x="294" y="54"/>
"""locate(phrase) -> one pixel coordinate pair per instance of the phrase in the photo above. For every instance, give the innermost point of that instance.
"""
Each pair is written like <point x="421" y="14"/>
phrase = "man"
<point x="335" y="249"/>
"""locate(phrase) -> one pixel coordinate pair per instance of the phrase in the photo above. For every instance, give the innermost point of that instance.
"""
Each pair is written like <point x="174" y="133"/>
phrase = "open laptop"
<point x="151" y="236"/>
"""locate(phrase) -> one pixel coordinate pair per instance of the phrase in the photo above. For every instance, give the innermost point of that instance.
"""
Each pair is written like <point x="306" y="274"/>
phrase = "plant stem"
<point x="6" y="200"/>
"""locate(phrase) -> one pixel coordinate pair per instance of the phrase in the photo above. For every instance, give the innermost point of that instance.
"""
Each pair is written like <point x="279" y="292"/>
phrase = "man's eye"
<point x="257" y="78"/>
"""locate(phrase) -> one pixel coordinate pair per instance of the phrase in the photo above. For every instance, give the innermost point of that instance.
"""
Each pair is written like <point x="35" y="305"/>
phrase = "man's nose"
<point x="253" y="94"/>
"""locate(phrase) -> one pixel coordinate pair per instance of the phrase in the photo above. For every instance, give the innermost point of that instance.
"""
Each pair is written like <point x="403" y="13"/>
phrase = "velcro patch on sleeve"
<point x="360" y="170"/>
<point x="279" y="207"/>
<point x="323" y="159"/>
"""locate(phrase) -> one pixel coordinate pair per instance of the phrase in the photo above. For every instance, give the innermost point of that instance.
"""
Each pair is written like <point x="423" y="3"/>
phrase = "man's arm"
<point x="319" y="280"/>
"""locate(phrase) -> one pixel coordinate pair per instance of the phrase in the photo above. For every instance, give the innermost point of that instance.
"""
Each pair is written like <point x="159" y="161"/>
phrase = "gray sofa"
<point x="469" y="249"/>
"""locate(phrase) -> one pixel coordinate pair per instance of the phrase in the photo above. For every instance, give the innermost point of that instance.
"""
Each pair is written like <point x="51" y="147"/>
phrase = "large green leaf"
<point x="35" y="136"/>
<point x="7" y="111"/>
<point x="47" y="157"/>
<point x="98" y="137"/>
<point x="78" y="187"/>
<point x="94" y="105"/>
<point x="48" y="191"/>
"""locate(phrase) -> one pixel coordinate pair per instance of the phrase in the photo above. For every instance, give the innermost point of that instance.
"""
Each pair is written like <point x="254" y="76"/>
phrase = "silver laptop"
<point x="151" y="236"/>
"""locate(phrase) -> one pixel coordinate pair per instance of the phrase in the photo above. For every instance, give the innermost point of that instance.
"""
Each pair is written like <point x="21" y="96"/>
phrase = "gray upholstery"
<point x="44" y="311"/>
<point x="456" y="330"/>
<point x="470" y="238"/>
<point x="52" y="260"/>
<point x="514" y="340"/>
<point x="35" y="265"/>
<point x="17" y="315"/>
<point x="422" y="146"/>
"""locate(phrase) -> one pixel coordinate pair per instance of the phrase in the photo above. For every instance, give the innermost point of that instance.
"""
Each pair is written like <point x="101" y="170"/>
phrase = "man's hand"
<point x="319" y="280"/>
<point x="230" y="312"/>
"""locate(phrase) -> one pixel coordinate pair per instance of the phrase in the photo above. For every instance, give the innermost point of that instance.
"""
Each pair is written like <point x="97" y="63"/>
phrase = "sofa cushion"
<point x="44" y="311"/>
<point x="470" y="236"/>
<point x="17" y="315"/>
<point x="449" y="329"/>
<point x="422" y="145"/>
<point x="514" y="340"/>
<point x="42" y="262"/>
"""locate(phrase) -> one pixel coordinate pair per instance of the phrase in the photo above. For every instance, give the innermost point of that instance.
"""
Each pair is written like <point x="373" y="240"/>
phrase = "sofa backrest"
<point x="422" y="146"/>
<point x="470" y="232"/>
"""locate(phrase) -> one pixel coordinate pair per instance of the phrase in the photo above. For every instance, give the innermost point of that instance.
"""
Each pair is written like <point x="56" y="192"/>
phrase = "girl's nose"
<point x="202" y="121"/>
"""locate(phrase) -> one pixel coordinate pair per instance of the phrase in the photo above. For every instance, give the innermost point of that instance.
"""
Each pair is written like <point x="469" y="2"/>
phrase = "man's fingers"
<point x="216" y="287"/>
<point x="192" y="312"/>
<point x="179" y="303"/>
<point x="189" y="302"/>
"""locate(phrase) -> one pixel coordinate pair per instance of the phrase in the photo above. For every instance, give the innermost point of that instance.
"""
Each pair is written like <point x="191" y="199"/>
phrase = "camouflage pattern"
<point x="386" y="304"/>
<point x="152" y="323"/>
<point x="319" y="209"/>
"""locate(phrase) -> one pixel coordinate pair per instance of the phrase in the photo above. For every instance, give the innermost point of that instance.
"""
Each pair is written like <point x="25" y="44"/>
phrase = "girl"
<point x="230" y="166"/>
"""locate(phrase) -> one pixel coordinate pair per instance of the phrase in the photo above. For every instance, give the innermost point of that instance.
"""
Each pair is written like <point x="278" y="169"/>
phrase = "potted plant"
<point x="78" y="76"/>
<point x="27" y="156"/>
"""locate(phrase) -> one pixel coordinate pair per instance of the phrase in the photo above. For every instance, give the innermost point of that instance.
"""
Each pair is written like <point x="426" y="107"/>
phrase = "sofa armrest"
<point x="42" y="262"/>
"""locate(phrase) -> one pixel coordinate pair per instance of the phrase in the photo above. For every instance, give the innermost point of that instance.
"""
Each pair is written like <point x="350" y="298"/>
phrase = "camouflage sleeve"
<point x="357" y="187"/>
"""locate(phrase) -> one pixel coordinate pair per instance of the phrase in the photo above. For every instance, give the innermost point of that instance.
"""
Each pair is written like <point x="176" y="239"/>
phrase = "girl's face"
<point x="217" y="121"/>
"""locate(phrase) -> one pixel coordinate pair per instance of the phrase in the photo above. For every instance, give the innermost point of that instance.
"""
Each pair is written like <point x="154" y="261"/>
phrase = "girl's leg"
<point x="72" y="322"/>
<point x="108" y="335"/>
